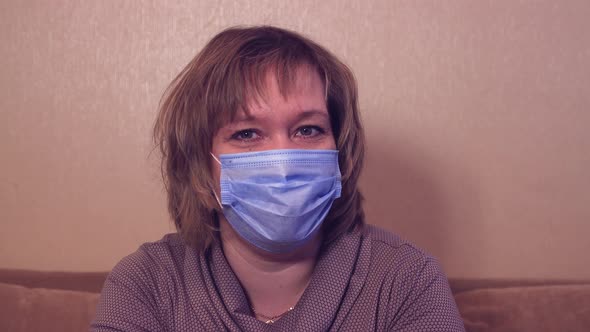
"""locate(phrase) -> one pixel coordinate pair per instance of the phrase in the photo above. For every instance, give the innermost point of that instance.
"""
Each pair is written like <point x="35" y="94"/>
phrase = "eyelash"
<point x="239" y="134"/>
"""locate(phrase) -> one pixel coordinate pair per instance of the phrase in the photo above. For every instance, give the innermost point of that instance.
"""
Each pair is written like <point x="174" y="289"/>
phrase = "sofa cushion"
<point x="538" y="308"/>
<point x="38" y="309"/>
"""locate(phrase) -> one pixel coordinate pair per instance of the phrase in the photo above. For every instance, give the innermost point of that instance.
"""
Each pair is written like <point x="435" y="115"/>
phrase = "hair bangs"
<point x="250" y="77"/>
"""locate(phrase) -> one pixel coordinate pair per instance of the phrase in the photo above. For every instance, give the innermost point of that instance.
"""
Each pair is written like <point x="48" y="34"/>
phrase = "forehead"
<point x="300" y="90"/>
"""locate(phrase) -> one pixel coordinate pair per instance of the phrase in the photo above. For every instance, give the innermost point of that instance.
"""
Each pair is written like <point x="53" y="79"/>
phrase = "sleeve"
<point x="428" y="304"/>
<point x="128" y="299"/>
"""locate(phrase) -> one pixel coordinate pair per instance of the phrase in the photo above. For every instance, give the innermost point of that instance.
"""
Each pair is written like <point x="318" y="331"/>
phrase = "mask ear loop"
<point x="214" y="192"/>
<point x="217" y="160"/>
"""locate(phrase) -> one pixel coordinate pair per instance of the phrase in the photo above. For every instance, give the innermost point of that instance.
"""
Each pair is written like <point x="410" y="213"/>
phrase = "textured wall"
<point x="477" y="116"/>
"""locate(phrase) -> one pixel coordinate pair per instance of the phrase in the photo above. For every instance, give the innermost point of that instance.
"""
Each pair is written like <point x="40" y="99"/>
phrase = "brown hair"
<point x="210" y="90"/>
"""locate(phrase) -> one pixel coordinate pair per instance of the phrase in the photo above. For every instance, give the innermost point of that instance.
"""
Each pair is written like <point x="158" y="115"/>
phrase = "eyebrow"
<point x="313" y="112"/>
<point x="245" y="117"/>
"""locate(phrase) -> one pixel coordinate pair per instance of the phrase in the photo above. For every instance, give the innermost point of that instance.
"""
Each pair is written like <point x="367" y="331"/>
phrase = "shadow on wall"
<point x="422" y="199"/>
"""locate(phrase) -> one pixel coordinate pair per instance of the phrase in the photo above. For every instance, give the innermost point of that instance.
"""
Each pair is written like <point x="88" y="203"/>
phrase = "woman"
<point x="262" y="150"/>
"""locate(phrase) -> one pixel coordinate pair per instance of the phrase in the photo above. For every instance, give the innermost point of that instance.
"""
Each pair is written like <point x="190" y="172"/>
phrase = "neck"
<point x="273" y="282"/>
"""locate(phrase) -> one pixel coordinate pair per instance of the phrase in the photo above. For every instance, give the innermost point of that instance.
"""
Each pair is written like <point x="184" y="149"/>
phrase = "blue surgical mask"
<point x="277" y="199"/>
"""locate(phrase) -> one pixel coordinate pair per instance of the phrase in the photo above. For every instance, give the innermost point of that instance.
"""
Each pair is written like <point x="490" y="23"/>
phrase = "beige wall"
<point x="477" y="116"/>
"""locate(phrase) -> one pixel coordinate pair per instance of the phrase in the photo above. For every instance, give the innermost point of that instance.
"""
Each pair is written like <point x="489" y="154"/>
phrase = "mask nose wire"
<point x="215" y="192"/>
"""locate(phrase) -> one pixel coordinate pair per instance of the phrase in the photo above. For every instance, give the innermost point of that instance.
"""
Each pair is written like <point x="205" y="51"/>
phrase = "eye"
<point x="310" y="131"/>
<point x="245" y="135"/>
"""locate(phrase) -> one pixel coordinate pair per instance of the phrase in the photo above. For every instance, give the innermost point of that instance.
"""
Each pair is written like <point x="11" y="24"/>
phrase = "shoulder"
<point x="152" y="260"/>
<point x="418" y="291"/>
<point x="385" y="244"/>
<point x="399" y="262"/>
<point x="139" y="292"/>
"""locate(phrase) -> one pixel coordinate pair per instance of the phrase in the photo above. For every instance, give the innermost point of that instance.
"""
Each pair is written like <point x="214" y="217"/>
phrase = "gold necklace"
<point x="271" y="319"/>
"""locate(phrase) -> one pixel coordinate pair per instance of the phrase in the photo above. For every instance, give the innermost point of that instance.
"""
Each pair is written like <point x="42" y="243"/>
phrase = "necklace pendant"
<point x="270" y="321"/>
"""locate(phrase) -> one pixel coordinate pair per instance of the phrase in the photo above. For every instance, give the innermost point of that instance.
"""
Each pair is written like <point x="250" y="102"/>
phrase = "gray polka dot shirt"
<point x="370" y="280"/>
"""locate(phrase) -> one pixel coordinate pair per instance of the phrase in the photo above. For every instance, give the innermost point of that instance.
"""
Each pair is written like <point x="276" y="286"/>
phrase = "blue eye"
<point x="245" y="135"/>
<point x="310" y="131"/>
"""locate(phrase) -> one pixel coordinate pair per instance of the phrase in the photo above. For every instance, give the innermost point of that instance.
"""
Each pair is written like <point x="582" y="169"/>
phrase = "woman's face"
<point x="301" y="121"/>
